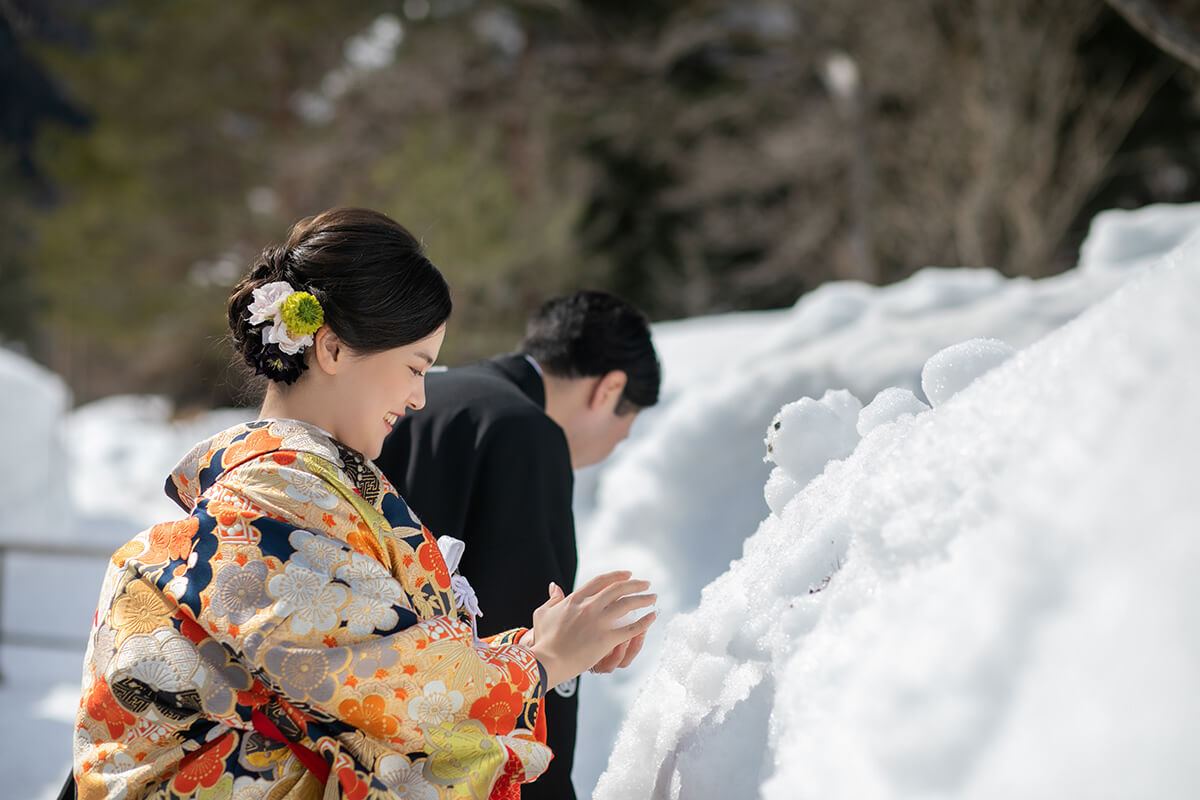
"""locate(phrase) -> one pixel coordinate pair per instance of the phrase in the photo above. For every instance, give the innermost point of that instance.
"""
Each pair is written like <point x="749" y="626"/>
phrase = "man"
<point x="489" y="460"/>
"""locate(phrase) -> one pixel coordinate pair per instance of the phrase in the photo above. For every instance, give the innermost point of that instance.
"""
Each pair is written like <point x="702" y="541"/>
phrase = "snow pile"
<point x="994" y="597"/>
<point x="1121" y="239"/>
<point x="32" y="402"/>
<point x="678" y="499"/>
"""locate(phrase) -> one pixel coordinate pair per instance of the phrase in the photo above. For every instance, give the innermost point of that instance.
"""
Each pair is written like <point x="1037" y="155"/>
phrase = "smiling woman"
<point x="299" y="634"/>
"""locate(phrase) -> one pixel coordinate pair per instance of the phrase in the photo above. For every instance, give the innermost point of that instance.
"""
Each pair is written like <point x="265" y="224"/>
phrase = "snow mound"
<point x="33" y="401"/>
<point x="1119" y="238"/>
<point x="677" y="501"/>
<point x="992" y="599"/>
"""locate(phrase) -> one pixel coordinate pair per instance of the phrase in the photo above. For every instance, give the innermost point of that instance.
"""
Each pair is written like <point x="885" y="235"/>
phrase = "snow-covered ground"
<point x="988" y="597"/>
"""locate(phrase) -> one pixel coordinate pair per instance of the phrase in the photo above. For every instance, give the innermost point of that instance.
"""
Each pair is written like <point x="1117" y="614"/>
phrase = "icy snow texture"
<point x="992" y="599"/>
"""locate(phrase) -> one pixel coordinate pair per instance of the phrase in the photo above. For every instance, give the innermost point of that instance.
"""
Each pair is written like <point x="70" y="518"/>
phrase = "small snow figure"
<point x="949" y="370"/>
<point x="805" y="436"/>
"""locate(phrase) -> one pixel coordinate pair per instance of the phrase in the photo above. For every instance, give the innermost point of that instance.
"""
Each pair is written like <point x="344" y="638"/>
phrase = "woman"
<point x="299" y="634"/>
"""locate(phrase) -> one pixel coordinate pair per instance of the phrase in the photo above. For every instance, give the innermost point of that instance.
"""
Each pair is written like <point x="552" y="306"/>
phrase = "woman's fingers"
<point x="614" y="659"/>
<point x="634" y="646"/>
<point x="581" y="632"/>
<point x="599" y="582"/>
<point x="633" y="602"/>
<point x="638" y="626"/>
<point x="609" y="594"/>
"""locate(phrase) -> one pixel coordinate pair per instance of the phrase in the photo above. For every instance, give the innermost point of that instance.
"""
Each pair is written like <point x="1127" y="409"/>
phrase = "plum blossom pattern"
<point x="436" y="705"/>
<point x="306" y="599"/>
<point x="344" y="633"/>
<point x="317" y="553"/>
<point x="308" y="488"/>
<point x="141" y="609"/>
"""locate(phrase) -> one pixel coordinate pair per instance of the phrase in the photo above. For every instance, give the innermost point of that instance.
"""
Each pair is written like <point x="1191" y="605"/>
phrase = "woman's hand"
<point x="621" y="656"/>
<point x="573" y="633"/>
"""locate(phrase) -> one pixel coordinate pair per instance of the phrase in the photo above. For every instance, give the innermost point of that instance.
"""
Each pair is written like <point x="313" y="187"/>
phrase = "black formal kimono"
<point x="483" y="463"/>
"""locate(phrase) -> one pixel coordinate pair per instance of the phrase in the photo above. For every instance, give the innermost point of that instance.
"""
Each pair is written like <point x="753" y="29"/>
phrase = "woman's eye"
<point x="417" y="372"/>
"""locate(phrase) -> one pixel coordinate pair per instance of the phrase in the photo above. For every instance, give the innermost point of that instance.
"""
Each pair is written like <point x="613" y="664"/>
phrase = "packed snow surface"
<point x="926" y="540"/>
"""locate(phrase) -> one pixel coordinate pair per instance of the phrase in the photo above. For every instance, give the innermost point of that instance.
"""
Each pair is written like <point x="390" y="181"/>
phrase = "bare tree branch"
<point x="1167" y="31"/>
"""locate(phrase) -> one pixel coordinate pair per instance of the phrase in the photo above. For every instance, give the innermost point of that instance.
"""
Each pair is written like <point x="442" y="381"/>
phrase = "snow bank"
<point x="991" y="598"/>
<point x="32" y="403"/>
<point x="678" y="499"/>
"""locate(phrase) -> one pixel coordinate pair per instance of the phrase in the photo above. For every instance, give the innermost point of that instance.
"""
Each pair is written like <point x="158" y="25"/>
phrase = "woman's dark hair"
<point x="375" y="285"/>
<point x="591" y="333"/>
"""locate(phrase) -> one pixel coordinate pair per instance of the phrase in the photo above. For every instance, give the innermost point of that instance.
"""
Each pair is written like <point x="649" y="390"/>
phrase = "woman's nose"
<point x="416" y="401"/>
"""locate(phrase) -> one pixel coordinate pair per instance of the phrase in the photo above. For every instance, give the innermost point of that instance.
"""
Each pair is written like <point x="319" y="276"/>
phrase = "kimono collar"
<point x="213" y="457"/>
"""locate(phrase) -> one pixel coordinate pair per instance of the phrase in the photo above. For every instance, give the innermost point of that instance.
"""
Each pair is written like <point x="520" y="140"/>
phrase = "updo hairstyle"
<point x="375" y="285"/>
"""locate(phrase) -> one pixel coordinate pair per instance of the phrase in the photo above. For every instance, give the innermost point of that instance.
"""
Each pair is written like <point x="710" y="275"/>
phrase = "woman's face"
<point x="373" y="391"/>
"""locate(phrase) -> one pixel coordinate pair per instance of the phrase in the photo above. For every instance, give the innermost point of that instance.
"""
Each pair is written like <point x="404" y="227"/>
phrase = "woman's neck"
<point x="294" y="402"/>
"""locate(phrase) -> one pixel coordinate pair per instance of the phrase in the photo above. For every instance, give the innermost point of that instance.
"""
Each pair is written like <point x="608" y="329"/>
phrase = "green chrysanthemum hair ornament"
<point x="288" y="320"/>
<point x="302" y="314"/>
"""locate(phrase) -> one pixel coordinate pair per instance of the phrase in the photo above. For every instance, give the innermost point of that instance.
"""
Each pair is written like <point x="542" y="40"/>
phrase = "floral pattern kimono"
<point x="296" y="636"/>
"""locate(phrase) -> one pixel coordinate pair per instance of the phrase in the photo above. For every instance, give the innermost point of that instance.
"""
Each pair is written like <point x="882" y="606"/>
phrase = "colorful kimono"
<point x="297" y="636"/>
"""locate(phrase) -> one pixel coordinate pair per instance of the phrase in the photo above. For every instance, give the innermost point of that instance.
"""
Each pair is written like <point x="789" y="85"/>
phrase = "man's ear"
<point x="608" y="390"/>
<point x="327" y="351"/>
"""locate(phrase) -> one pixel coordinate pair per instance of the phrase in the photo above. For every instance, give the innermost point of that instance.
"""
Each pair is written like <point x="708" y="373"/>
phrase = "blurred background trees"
<point x="695" y="156"/>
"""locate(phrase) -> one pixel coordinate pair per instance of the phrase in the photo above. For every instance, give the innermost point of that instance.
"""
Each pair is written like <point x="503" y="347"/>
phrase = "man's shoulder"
<point x="483" y="395"/>
<point x="474" y="381"/>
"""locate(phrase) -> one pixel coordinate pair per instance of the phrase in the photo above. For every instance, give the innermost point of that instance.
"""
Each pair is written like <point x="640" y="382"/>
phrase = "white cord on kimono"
<point x="464" y="596"/>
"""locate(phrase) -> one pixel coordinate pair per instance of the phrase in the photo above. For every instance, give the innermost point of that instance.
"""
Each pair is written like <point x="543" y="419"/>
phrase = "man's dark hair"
<point x="591" y="333"/>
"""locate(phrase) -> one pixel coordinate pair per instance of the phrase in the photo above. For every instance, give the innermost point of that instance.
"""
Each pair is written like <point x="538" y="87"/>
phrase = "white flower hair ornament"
<point x="289" y="319"/>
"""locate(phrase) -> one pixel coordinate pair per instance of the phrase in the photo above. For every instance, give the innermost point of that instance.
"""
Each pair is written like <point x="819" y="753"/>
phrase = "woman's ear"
<point x="326" y="350"/>
<point x="608" y="390"/>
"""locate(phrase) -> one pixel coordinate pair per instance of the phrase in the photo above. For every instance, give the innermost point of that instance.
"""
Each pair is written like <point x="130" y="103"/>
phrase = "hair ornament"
<point x="293" y="316"/>
<point x="289" y="318"/>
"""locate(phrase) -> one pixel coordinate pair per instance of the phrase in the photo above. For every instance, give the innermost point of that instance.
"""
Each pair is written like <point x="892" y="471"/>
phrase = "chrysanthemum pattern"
<point x="239" y="591"/>
<point x="328" y="608"/>
<point x="405" y="779"/>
